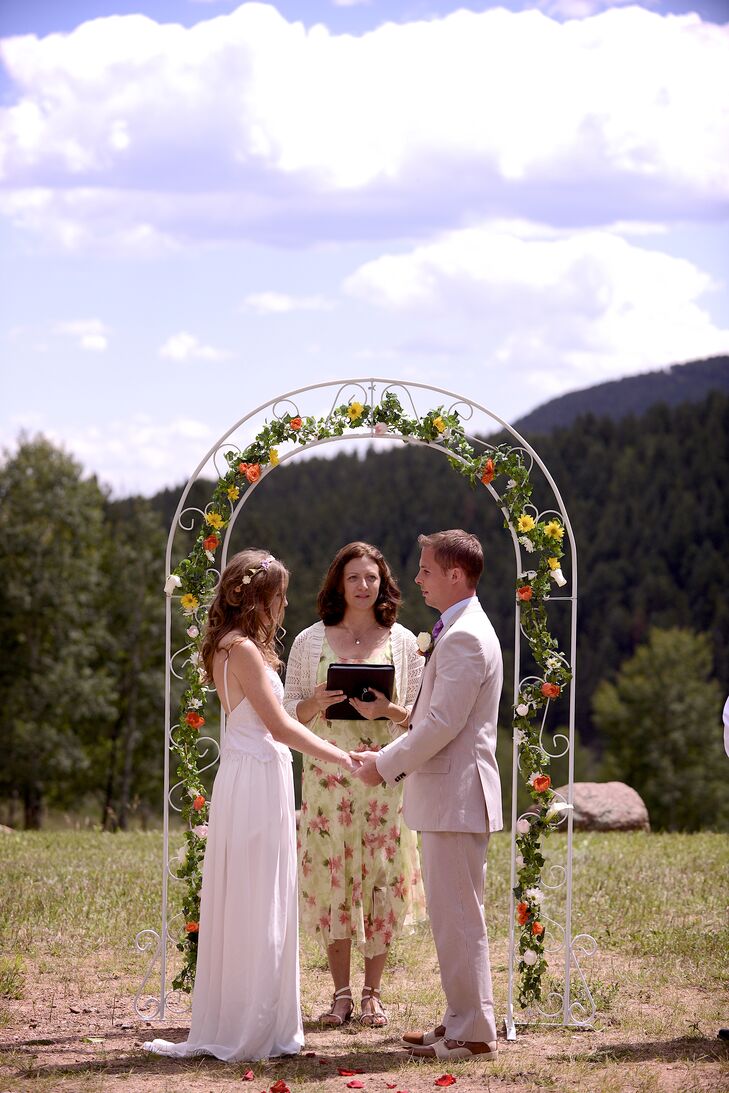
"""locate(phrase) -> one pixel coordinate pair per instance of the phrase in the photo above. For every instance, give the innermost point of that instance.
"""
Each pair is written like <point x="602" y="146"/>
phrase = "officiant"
<point x="359" y="870"/>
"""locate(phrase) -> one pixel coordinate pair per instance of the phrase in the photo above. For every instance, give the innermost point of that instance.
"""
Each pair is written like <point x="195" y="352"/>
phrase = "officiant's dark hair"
<point x="456" y="549"/>
<point x="243" y="601"/>
<point x="330" y="601"/>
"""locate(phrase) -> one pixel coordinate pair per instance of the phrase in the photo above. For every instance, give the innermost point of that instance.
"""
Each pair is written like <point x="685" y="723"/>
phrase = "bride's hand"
<point x="348" y="763"/>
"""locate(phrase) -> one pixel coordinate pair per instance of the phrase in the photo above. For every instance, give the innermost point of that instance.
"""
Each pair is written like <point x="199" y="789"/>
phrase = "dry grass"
<point x="657" y="906"/>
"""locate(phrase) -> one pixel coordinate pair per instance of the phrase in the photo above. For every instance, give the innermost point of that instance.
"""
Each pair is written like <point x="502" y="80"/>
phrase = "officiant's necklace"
<point x="353" y="636"/>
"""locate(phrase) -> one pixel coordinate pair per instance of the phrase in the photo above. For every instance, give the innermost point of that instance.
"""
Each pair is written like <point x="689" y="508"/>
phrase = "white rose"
<point x="523" y="827"/>
<point x="530" y="957"/>
<point x="556" y="808"/>
<point x="424" y="641"/>
<point x="192" y="632"/>
<point x="381" y="429"/>
<point x="559" y="578"/>
<point x="201" y="831"/>
<point x="519" y="861"/>
<point x="522" y="710"/>
<point x="172" y="582"/>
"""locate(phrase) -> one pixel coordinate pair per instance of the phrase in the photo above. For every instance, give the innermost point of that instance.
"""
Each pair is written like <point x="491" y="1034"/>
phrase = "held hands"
<point x="349" y="762"/>
<point x="366" y="768"/>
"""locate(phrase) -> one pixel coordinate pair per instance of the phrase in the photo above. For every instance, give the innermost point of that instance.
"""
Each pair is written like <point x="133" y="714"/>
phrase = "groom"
<point x="452" y="792"/>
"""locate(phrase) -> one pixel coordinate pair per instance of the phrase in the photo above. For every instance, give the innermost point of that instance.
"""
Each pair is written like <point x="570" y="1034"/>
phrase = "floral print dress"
<point x="359" y="866"/>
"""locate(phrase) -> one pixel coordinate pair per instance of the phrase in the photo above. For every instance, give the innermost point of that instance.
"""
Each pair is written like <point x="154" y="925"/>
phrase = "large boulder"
<point x="607" y="806"/>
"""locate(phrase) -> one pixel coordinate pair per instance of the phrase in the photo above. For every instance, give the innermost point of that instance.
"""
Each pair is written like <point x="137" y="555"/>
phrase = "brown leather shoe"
<point x="422" y="1039"/>
<point x="456" y="1049"/>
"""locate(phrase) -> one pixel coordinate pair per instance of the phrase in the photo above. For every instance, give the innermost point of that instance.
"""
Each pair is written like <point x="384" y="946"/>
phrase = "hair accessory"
<point x="252" y="570"/>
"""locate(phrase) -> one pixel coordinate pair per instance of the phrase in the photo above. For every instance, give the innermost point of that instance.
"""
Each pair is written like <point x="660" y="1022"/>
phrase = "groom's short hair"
<point x="456" y="549"/>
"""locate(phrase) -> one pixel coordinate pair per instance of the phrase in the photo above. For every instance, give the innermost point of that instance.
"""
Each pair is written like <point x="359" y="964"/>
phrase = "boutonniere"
<point x="425" y="643"/>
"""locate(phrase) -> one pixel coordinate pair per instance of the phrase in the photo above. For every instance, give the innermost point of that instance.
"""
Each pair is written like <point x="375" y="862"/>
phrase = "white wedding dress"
<point x="245" y="1004"/>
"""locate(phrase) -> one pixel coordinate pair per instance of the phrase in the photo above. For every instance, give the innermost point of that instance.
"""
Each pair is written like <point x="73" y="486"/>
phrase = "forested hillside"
<point x="617" y="399"/>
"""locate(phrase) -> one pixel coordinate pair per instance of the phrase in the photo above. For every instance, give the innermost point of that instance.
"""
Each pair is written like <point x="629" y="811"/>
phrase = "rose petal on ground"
<point x="445" y="1079"/>
<point x="248" y="1076"/>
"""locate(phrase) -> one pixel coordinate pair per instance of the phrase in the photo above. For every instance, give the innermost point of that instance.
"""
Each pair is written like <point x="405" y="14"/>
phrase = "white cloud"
<point x="135" y="137"/>
<point x="278" y="303"/>
<point x="91" y="334"/>
<point x="590" y="303"/>
<point x="186" y="347"/>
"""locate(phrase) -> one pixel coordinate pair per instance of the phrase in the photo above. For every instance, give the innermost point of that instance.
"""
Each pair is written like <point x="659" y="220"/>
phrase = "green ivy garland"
<point x="541" y="539"/>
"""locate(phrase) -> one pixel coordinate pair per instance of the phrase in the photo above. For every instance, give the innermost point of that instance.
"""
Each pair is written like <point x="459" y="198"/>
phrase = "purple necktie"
<point x="436" y="630"/>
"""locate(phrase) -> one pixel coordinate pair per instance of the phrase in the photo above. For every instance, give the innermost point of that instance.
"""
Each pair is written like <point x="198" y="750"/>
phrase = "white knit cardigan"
<point x="303" y="664"/>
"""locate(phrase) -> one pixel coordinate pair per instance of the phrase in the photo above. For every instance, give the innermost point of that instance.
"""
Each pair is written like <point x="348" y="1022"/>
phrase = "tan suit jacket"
<point x="448" y="756"/>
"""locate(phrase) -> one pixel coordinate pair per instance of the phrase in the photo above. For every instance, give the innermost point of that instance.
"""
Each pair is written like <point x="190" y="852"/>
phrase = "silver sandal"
<point x="377" y="1018"/>
<point x="330" y="1017"/>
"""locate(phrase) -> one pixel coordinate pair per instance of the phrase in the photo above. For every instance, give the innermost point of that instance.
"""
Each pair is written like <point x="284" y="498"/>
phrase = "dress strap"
<point x="238" y="641"/>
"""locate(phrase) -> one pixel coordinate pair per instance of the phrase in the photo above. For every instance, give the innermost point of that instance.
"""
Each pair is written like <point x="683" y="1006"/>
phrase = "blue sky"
<point x="204" y="204"/>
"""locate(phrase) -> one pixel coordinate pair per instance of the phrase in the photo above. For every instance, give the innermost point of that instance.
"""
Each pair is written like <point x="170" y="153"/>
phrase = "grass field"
<point x="71" y="903"/>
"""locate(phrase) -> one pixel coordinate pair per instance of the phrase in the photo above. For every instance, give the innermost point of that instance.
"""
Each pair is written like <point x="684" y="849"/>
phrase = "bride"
<point x="245" y="1004"/>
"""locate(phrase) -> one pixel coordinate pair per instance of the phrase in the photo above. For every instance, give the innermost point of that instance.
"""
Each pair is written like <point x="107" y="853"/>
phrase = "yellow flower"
<point x="553" y="563"/>
<point x="355" y="411"/>
<point x="273" y="457"/>
<point x="525" y="523"/>
<point x="554" y="530"/>
<point x="233" y="493"/>
<point x="189" y="602"/>
<point x="439" y="424"/>
<point x="215" y="520"/>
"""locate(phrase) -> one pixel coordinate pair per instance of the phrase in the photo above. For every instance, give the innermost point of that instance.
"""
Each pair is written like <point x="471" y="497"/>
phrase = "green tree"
<point x="130" y="754"/>
<point x="52" y="626"/>
<point x="660" y="722"/>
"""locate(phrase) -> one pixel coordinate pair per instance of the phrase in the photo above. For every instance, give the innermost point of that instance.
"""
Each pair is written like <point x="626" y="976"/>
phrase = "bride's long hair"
<point x="245" y="601"/>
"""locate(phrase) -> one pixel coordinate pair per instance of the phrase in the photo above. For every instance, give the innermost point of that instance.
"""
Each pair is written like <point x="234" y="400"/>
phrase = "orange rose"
<point x="550" y="690"/>
<point x="295" y="423"/>
<point x="537" y="929"/>
<point x="525" y="592"/>
<point x="522" y="913"/>
<point x="211" y="543"/>
<point x="242" y="468"/>
<point x="253" y="472"/>
<point x="488" y="472"/>
<point x="198" y="803"/>
<point x="194" y="720"/>
<point x="542" y="782"/>
<point x="192" y="927"/>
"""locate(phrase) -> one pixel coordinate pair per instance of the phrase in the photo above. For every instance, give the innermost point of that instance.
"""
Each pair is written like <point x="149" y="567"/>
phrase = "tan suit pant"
<point x="454" y="865"/>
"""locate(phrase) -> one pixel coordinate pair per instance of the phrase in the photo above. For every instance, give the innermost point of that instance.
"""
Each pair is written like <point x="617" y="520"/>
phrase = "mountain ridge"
<point x="617" y="399"/>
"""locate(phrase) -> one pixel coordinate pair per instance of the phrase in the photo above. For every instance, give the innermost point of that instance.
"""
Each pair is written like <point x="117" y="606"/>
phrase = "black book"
<point x="356" y="680"/>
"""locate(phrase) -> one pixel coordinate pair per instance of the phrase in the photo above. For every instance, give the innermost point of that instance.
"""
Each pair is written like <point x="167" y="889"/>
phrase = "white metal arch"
<point x="558" y="1008"/>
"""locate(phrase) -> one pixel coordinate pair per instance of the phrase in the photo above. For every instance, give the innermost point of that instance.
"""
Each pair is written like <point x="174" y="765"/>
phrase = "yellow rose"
<point x="273" y="457"/>
<point x="439" y="424"/>
<point x="553" y="563"/>
<point x="215" y="520"/>
<point x="525" y="523"/>
<point x="189" y="602"/>
<point x="554" y="530"/>
<point x="233" y="493"/>
<point x="355" y="411"/>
